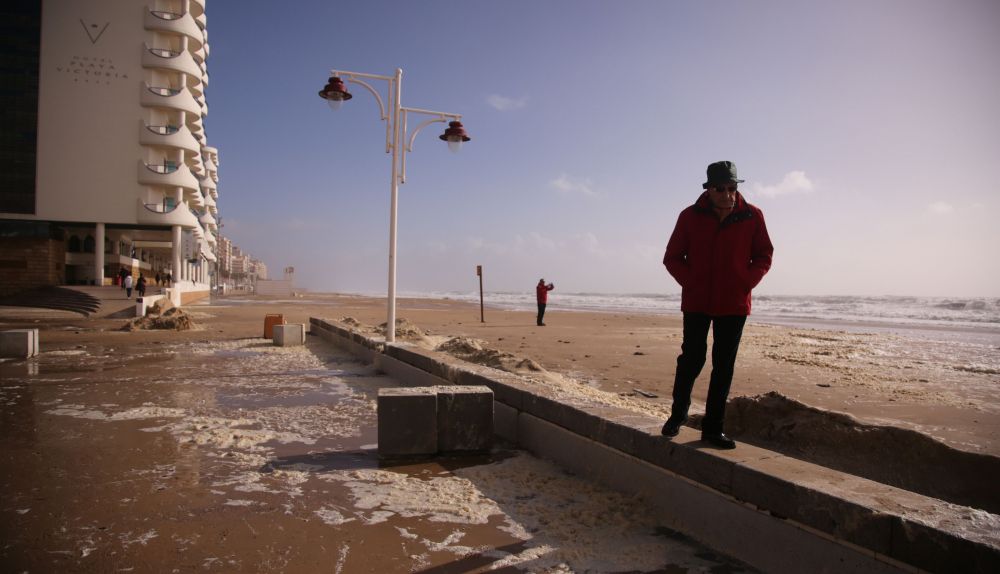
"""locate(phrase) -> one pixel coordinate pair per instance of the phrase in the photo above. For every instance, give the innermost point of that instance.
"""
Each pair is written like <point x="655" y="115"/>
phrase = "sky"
<point x="868" y="132"/>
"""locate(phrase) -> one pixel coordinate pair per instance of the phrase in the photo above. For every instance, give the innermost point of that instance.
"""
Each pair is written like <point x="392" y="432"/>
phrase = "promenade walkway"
<point x="213" y="451"/>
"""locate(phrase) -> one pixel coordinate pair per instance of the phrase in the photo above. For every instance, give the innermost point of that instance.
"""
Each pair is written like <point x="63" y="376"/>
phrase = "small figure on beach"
<point x="128" y="286"/>
<point x="542" y="294"/>
<point x="718" y="252"/>
<point x="158" y="279"/>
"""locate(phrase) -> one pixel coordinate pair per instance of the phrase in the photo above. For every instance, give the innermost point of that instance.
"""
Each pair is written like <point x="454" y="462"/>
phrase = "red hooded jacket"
<point x="717" y="263"/>
<point x="542" y="292"/>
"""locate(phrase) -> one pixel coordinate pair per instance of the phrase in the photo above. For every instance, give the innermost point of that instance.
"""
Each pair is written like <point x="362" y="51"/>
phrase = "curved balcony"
<point x="175" y="23"/>
<point x="170" y="175"/>
<point x="198" y="91"/>
<point x="207" y="254"/>
<point x="197" y="7"/>
<point x="171" y="60"/>
<point x="209" y="202"/>
<point x="170" y="98"/>
<point x="175" y="137"/>
<point x="207" y="219"/>
<point x="197" y="126"/>
<point x="156" y="214"/>
<point x="208" y="185"/>
<point x="195" y="200"/>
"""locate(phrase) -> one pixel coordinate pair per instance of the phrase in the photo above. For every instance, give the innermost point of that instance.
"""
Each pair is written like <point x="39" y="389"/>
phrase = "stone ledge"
<point x="887" y="522"/>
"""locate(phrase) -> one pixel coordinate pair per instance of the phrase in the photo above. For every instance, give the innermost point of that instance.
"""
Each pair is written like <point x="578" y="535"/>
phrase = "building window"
<point x="88" y="244"/>
<point x="73" y="245"/>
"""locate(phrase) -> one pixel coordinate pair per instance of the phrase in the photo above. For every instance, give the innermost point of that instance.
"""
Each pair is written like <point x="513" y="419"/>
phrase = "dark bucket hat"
<point x="721" y="172"/>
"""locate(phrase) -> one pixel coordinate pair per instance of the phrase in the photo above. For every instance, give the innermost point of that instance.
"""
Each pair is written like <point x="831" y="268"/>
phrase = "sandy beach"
<point x="212" y="450"/>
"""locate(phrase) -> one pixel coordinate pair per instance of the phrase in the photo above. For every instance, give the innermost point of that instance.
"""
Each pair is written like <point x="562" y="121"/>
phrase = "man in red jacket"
<point x="542" y="294"/>
<point x="718" y="252"/>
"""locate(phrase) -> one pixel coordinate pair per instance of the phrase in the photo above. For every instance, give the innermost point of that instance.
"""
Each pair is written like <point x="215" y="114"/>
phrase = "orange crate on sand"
<point x="270" y="321"/>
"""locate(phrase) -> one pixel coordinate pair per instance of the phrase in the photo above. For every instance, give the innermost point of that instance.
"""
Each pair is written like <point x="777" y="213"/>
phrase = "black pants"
<point x="541" y="313"/>
<point x="726" y="334"/>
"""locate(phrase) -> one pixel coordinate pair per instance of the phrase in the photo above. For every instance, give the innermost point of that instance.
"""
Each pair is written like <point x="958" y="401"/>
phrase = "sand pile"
<point x="476" y="351"/>
<point x="173" y="319"/>
<point x="891" y="455"/>
<point x="404" y="330"/>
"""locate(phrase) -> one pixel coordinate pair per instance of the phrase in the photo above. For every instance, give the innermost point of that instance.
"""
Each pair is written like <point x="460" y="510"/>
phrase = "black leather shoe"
<point x="719" y="439"/>
<point x="672" y="427"/>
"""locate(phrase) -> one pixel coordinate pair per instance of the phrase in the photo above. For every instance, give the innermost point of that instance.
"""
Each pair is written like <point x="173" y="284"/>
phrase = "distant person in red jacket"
<point x="718" y="252"/>
<point x="542" y="294"/>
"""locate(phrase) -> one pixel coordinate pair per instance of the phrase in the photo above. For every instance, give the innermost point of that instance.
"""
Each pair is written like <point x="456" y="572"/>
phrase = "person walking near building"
<point x="718" y="252"/>
<point x="542" y="295"/>
<point x="128" y="286"/>
<point x="140" y="286"/>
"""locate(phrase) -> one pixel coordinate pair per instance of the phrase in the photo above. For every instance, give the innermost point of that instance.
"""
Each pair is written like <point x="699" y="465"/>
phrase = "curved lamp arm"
<point x="440" y="117"/>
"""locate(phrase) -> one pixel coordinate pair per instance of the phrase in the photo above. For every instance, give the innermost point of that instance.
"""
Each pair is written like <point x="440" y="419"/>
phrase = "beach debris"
<point x="824" y="385"/>
<point x="404" y="329"/>
<point x="350" y="321"/>
<point x="646" y="394"/>
<point x="173" y="319"/>
<point x="476" y="351"/>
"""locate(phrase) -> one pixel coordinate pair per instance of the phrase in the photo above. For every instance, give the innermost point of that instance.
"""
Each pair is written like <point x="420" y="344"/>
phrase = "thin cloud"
<point x="505" y="104"/>
<point x="941" y="207"/>
<point x="793" y="182"/>
<point x="569" y="185"/>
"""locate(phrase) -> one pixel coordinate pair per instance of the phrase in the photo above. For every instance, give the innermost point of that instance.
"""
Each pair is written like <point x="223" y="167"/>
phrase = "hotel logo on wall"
<point x="86" y="69"/>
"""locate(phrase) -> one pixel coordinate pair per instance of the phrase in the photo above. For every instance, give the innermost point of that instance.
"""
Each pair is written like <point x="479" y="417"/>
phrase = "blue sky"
<point x="867" y="131"/>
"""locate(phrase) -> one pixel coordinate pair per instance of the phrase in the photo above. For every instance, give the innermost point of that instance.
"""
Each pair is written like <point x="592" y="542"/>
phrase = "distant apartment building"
<point x="259" y="268"/>
<point x="107" y="165"/>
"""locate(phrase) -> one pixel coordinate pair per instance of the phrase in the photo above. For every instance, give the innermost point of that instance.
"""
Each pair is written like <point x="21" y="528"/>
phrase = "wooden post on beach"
<point x="479" y="273"/>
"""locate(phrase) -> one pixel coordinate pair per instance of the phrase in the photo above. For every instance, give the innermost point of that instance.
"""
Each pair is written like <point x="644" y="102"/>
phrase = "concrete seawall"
<point x="776" y="513"/>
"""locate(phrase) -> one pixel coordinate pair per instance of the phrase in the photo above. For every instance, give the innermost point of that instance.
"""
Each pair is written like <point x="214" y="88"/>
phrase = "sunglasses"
<point x="724" y="189"/>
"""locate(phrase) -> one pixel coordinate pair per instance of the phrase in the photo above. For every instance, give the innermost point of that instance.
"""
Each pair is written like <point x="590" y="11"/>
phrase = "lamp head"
<point x="335" y="93"/>
<point x="455" y="135"/>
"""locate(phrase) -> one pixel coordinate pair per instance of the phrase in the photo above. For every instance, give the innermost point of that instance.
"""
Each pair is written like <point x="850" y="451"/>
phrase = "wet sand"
<point x="211" y="450"/>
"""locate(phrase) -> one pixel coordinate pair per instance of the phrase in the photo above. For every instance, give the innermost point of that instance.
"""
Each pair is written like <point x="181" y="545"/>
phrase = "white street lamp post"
<point x="335" y="93"/>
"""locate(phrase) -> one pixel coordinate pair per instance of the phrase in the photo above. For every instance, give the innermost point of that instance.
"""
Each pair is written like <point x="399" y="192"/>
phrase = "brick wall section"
<point x="29" y="263"/>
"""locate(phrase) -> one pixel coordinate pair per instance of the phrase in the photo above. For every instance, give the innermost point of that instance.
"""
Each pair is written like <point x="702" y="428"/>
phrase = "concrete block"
<point x="465" y="418"/>
<point x="407" y="421"/>
<point x="19" y="343"/>
<point x="289" y="335"/>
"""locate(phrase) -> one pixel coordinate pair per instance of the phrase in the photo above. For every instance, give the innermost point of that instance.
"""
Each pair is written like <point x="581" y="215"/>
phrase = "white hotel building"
<point x="112" y="169"/>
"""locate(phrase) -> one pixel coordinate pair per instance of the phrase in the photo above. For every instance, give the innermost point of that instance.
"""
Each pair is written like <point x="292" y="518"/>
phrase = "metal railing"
<point x="163" y="90"/>
<point x="164" y="168"/>
<point x="164" y="15"/>
<point x="163" y="130"/>
<point x="164" y="52"/>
